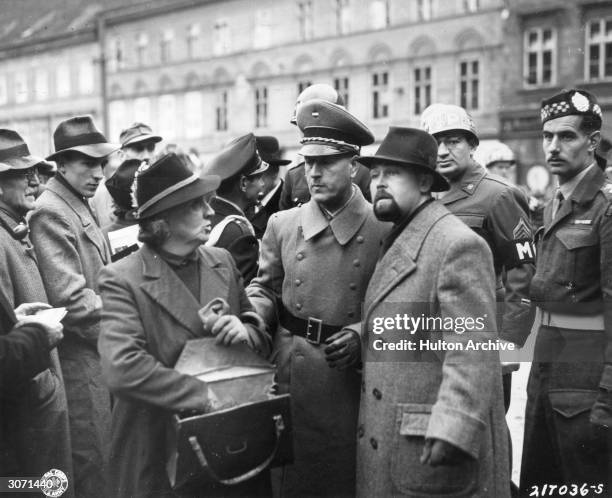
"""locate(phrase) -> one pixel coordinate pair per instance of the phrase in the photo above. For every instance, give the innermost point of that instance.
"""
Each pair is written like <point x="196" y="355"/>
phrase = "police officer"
<point x="319" y="258"/>
<point x="295" y="188"/>
<point x="569" y="406"/>
<point x="240" y="167"/>
<point x="495" y="209"/>
<point x="269" y="202"/>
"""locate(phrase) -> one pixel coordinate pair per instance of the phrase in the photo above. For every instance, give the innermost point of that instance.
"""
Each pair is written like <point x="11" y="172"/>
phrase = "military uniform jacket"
<point x="574" y="270"/>
<point x="436" y="267"/>
<point x="498" y="211"/>
<point x="317" y="268"/>
<point x="237" y="236"/>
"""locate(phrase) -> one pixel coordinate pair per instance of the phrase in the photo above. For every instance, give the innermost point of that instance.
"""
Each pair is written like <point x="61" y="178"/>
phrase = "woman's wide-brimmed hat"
<point x="167" y="183"/>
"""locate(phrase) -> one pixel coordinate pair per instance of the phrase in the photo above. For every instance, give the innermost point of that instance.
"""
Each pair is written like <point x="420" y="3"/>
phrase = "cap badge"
<point x="315" y="114"/>
<point x="580" y="102"/>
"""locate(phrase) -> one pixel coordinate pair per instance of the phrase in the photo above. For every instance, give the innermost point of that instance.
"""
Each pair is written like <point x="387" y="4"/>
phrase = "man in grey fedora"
<point x="71" y="250"/>
<point x="431" y="422"/>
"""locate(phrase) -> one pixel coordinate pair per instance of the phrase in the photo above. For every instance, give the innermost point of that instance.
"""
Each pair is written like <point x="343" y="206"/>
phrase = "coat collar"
<point x="80" y="208"/>
<point x="168" y="291"/>
<point x="344" y="226"/>
<point x="223" y="207"/>
<point x="400" y="260"/>
<point x="585" y="192"/>
<point x="468" y="184"/>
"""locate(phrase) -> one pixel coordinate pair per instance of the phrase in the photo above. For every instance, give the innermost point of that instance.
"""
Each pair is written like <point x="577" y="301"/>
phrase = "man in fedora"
<point x="240" y="167"/>
<point x="137" y="142"/>
<point x="430" y="422"/>
<point x="71" y="250"/>
<point x="258" y="215"/>
<point x="295" y="190"/>
<point x="34" y="414"/>
<point x="318" y="258"/>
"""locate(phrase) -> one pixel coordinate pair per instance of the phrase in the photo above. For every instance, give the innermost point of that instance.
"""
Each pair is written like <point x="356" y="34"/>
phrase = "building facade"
<point x="203" y="72"/>
<point x="552" y="45"/>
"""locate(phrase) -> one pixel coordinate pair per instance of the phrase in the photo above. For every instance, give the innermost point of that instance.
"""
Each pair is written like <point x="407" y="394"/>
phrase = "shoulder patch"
<point x="522" y="230"/>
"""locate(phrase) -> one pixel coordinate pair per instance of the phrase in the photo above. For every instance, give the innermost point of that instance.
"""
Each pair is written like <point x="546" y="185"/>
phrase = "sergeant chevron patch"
<point x="522" y="230"/>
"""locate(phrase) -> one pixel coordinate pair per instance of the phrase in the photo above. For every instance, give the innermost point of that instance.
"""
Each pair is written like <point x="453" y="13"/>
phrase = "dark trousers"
<point x="560" y="445"/>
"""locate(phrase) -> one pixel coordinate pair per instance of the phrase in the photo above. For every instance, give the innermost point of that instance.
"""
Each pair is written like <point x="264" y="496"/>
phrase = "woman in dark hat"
<point x="151" y="302"/>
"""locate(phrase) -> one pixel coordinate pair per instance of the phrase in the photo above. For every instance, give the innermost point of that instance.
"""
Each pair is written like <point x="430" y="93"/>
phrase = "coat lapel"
<point x="401" y="259"/>
<point x="90" y="228"/>
<point x="164" y="287"/>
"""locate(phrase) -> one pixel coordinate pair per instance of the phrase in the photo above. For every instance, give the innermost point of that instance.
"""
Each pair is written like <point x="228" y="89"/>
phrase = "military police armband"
<point x="518" y="252"/>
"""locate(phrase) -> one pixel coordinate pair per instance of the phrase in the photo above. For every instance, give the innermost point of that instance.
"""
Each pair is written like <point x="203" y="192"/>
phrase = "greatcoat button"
<point x="360" y="239"/>
<point x="298" y="306"/>
<point x="374" y="443"/>
<point x="356" y="262"/>
<point x="351" y="314"/>
<point x="360" y="431"/>
<point x="353" y="286"/>
<point x="300" y="256"/>
<point x="298" y="282"/>
<point x="377" y="394"/>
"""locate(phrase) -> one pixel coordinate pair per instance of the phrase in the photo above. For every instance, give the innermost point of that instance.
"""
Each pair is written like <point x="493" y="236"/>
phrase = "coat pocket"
<point x="578" y="440"/>
<point x="409" y="476"/>
<point x="575" y="238"/>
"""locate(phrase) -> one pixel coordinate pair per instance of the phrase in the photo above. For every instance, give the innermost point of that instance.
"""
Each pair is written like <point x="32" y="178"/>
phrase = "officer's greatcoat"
<point x="317" y="268"/>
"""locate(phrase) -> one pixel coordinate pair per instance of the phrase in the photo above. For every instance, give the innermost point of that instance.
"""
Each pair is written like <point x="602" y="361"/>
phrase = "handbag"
<point x="249" y="429"/>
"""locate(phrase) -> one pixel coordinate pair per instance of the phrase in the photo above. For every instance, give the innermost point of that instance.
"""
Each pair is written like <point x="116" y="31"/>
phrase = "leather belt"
<point x="311" y="329"/>
<point x="567" y="321"/>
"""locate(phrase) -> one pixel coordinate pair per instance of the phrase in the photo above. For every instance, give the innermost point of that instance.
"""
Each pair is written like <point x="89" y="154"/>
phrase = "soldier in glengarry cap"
<point x="568" y="420"/>
<point x="319" y="258"/>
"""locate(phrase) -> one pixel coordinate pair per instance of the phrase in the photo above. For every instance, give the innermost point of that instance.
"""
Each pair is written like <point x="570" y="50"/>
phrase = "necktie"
<point x="558" y="202"/>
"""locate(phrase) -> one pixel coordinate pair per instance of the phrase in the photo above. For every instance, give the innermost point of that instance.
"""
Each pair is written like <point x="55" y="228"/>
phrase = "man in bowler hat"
<point x="71" y="250"/>
<point x="240" y="167"/>
<point x="568" y="419"/>
<point x="318" y="258"/>
<point x="428" y="424"/>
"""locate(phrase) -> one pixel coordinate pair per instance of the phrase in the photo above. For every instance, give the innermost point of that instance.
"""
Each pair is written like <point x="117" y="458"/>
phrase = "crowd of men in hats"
<point x="110" y="252"/>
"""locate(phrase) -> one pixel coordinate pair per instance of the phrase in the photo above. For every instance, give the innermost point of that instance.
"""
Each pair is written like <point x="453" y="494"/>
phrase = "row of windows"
<point x="380" y="97"/>
<point x="344" y="12"/>
<point x="540" y="54"/>
<point x="41" y="84"/>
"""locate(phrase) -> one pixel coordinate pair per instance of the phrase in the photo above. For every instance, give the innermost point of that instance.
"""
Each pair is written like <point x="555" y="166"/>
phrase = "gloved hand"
<point x="437" y="452"/>
<point x="343" y="349"/>
<point x="601" y="413"/>
<point x="210" y="313"/>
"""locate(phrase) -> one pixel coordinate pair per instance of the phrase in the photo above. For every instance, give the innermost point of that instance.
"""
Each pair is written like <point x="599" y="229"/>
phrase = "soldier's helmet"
<point x="317" y="91"/>
<point x="496" y="153"/>
<point x="440" y="118"/>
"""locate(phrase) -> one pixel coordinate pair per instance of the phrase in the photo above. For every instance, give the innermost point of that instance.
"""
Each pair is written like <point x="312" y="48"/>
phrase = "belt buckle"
<point x="313" y="328"/>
